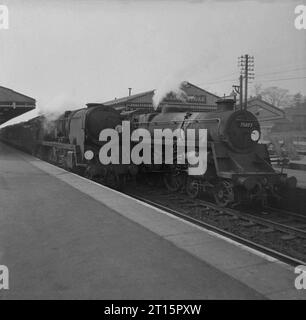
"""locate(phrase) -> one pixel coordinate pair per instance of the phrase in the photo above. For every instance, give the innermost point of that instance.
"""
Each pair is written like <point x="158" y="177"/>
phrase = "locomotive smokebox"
<point x="225" y="104"/>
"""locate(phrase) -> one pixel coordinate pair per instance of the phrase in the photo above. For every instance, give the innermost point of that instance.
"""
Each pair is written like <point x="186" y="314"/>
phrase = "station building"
<point x="267" y="114"/>
<point x="197" y="98"/>
<point x="292" y="129"/>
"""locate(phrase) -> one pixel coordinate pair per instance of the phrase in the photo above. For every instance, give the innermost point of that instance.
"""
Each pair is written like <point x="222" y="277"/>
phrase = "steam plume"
<point x="61" y="103"/>
<point x="51" y="110"/>
<point x="169" y="85"/>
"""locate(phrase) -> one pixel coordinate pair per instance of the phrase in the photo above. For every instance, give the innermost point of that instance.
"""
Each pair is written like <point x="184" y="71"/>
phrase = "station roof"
<point x="265" y="111"/>
<point x="129" y="98"/>
<point x="13" y="104"/>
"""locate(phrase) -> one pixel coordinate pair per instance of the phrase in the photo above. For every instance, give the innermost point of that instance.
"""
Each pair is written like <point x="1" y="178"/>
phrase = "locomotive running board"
<point x="66" y="146"/>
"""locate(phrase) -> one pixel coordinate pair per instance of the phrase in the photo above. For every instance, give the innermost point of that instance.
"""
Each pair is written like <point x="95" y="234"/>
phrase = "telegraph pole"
<point x="241" y="91"/>
<point x="246" y="64"/>
<point x="246" y="74"/>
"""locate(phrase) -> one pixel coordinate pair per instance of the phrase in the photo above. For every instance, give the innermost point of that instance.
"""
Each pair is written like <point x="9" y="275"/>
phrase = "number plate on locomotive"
<point x="245" y="124"/>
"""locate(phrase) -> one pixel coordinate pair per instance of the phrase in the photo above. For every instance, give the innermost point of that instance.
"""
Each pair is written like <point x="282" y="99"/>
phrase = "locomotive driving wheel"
<point x="223" y="193"/>
<point x="89" y="173"/>
<point x="192" y="187"/>
<point x="112" y="180"/>
<point x="173" y="181"/>
<point x="152" y="179"/>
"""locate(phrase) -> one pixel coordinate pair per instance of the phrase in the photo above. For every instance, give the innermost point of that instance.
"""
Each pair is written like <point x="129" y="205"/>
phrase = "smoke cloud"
<point x="57" y="106"/>
<point x="169" y="85"/>
<point x="51" y="110"/>
<point x="186" y="70"/>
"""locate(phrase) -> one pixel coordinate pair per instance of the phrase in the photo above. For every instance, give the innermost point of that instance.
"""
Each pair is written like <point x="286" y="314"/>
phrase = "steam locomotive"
<point x="238" y="166"/>
<point x="66" y="140"/>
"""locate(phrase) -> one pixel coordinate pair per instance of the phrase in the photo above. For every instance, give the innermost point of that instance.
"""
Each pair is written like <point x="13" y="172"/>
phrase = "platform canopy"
<point x="13" y="104"/>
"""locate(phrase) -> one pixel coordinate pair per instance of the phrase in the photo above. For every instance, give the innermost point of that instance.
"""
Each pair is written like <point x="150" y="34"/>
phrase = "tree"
<point x="279" y="97"/>
<point x="276" y="96"/>
<point x="258" y="89"/>
<point x="297" y="99"/>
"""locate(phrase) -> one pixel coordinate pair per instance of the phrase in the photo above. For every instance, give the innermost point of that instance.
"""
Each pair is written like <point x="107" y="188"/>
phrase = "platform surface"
<point x="64" y="237"/>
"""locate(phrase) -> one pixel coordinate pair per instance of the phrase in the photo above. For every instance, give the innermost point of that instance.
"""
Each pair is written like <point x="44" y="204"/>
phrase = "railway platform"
<point x="295" y="199"/>
<point x="65" y="237"/>
<point x="299" y="174"/>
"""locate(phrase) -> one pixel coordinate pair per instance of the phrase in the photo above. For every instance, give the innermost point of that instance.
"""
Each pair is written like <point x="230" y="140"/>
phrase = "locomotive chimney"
<point x="130" y="91"/>
<point x="225" y="104"/>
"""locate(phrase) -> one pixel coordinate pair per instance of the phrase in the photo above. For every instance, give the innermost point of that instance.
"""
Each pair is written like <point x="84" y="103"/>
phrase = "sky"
<point x="71" y="52"/>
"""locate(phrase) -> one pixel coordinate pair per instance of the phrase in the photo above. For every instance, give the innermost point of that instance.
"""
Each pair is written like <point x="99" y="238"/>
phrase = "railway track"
<point x="294" y="222"/>
<point x="278" y="233"/>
